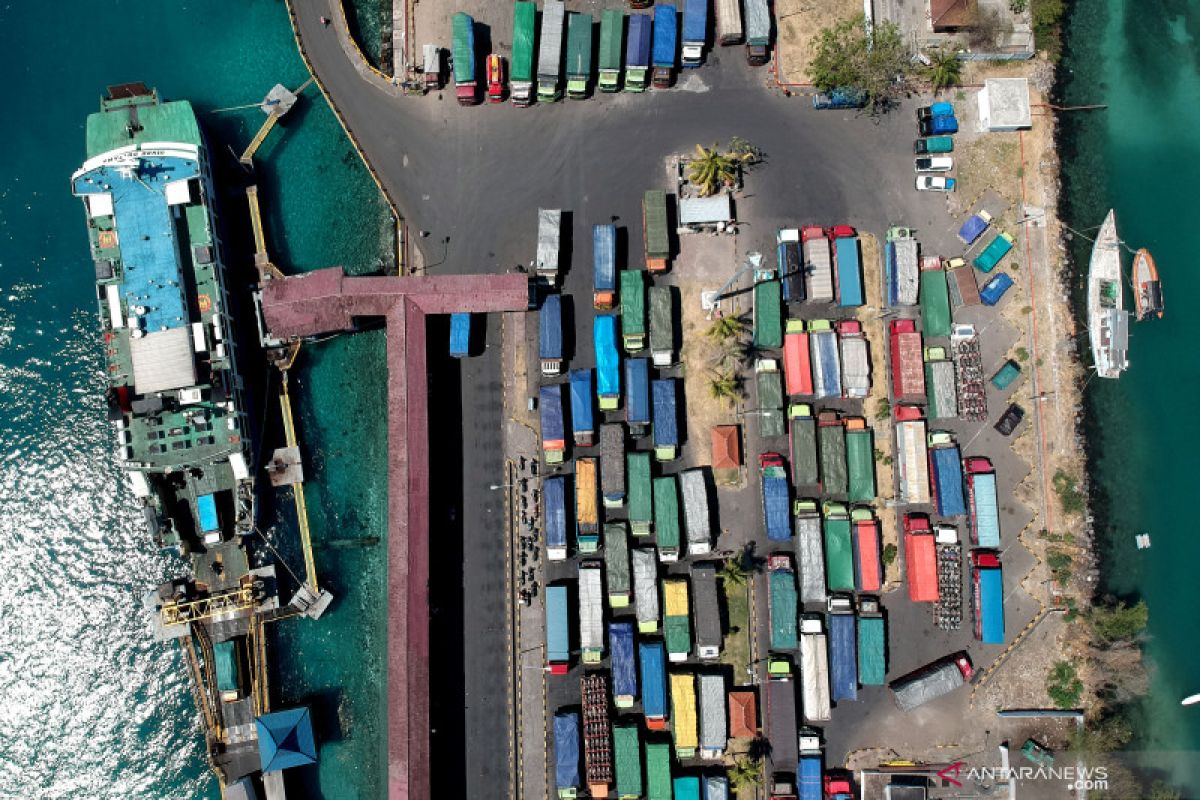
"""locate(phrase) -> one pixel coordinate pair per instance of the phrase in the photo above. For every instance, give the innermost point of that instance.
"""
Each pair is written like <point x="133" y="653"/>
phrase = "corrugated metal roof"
<point x="705" y="210"/>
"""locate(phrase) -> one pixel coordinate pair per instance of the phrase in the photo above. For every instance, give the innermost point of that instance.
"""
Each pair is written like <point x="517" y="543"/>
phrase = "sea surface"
<point x="90" y="705"/>
<point x="1141" y="156"/>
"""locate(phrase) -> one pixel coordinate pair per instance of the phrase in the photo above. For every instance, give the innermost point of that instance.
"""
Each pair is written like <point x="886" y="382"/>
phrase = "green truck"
<point x="872" y="632"/>
<point x="770" y="397"/>
<point x="579" y="54"/>
<point x="666" y="518"/>
<point x="662" y="327"/>
<point x="521" y="67"/>
<point x="637" y="477"/>
<point x="612" y="28"/>
<point x="831" y="444"/>
<point x="658" y="771"/>
<point x="803" y="434"/>
<point x="633" y="311"/>
<point x="627" y="752"/>
<point x="781" y="585"/>
<point x="768" y="314"/>
<point x="934" y="296"/>
<point x="839" y="550"/>
<point x="860" y="458"/>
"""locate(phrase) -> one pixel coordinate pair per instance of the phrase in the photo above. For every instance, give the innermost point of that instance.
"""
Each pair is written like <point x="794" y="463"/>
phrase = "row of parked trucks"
<point x="819" y="265"/>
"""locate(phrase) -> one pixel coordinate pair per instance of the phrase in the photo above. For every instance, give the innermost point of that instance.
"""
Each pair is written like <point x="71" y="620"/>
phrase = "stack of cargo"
<point x="968" y="372"/>
<point x="940" y="389"/>
<point x="768" y="307"/>
<point x="818" y="264"/>
<point x="947" y="614"/>
<point x="849" y="267"/>
<point x="826" y="366"/>
<point x="935" y="300"/>
<point x="902" y="258"/>
<point x="770" y="397"/>
<point x="597" y="739"/>
<point x="624" y="672"/>
<point x="645" y="589"/>
<point x="856" y="362"/>
<point x="666" y="518"/>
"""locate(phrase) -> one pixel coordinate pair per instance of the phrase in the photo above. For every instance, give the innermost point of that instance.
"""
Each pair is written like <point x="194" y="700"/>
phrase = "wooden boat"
<point x="1147" y="290"/>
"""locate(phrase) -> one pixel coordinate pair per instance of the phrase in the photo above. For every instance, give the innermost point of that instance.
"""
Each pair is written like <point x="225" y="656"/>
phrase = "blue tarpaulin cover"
<point x="849" y="270"/>
<point x="664" y="35"/>
<point x="994" y="290"/>
<point x="637" y="50"/>
<point x="826" y="365"/>
<point x="566" y="750"/>
<point x="206" y="509"/>
<point x="581" y="401"/>
<point x="666" y="427"/>
<point x="654" y="680"/>
<point x="604" y="339"/>
<point x="555" y="490"/>
<point x="285" y="739"/>
<point x="604" y="257"/>
<point x="620" y="642"/>
<point x="460" y="334"/>
<point x="948" y="480"/>
<point x="550" y="400"/>
<point x="550" y="328"/>
<point x="991" y="602"/>
<point x="637" y="376"/>
<point x="808" y="778"/>
<point x="843" y="657"/>
<point x="972" y="229"/>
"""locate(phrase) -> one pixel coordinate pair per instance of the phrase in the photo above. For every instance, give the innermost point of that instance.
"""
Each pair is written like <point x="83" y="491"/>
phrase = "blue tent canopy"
<point x="285" y="739"/>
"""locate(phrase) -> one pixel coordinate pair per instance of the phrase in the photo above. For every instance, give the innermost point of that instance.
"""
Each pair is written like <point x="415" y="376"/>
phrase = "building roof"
<point x="285" y="739"/>
<point x="1004" y="104"/>
<point x="948" y="15"/>
<point x="705" y="210"/>
<point x="726" y="447"/>
<point x="743" y="714"/>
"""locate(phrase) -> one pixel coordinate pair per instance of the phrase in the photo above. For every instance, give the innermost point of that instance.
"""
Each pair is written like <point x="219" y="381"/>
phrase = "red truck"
<point x="920" y="557"/>
<point x="908" y="366"/>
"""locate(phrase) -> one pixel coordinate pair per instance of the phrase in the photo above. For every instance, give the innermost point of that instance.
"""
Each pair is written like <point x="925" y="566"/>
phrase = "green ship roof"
<point x="168" y="122"/>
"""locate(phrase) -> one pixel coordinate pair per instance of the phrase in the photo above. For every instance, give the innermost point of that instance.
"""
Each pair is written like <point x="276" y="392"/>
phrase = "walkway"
<point x="326" y="301"/>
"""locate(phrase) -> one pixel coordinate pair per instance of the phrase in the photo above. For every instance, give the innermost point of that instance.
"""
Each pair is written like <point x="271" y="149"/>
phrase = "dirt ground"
<point x="798" y="21"/>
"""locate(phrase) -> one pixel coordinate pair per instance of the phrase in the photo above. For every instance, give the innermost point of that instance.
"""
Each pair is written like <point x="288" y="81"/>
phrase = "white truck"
<point x="591" y="611"/>
<point x="548" y="244"/>
<point x="814" y="668"/>
<point x="645" y="590"/>
<point x="696" y="519"/>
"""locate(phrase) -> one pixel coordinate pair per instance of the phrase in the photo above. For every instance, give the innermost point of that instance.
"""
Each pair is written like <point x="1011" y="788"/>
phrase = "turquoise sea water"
<point x="90" y="705"/>
<point x="1141" y="156"/>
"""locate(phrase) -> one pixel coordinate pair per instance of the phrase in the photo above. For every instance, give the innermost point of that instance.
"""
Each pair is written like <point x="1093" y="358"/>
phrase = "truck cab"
<point x="495" y="76"/>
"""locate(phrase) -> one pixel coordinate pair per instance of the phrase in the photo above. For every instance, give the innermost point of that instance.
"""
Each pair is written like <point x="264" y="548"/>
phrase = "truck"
<point x="902" y="259"/>
<point x="809" y="771"/>
<point x="920" y="559"/>
<point x="521" y="67"/>
<point x="912" y="463"/>
<point x="665" y="26"/>
<point x="994" y="253"/>
<point x="802" y="435"/>
<point x="567" y="779"/>
<point x="627" y="752"/>
<point x="872" y="643"/>
<point x="810" y="552"/>
<point x="579" y="54"/>
<point x="604" y="266"/>
<point x="987" y="592"/>
<point x="677" y="632"/>
<point x="608" y="374"/>
<point x="633" y="311"/>
<point x="714" y="732"/>
<point x="637" y="404"/>
<point x="935" y="302"/>
<point x="945" y="470"/>
<point x="908" y="368"/>
<point x="941" y="391"/>
<point x="984" y="507"/>
<point x="637" y="55"/>
<point x="849" y="267"/>
<point x="758" y="32"/>
<point x="781" y="585"/>
<point x="229" y="673"/>
<point x="654" y="226"/>
<point x="658" y="771"/>
<point x="797" y="364"/>
<point x="843" y="650"/>
<point x="612" y="32"/>
<point x="432" y="60"/>
<point x="558" y="640"/>
<point x="460" y="335"/>
<point x="666" y="518"/>
<point x="549" y="64"/>
<point x="612" y="464"/>
<point x="814" y="668"/>
<point x="637" y="471"/>
<point x="597" y="734"/>
<point x="781" y="723"/>
<point x="868" y="572"/>
<point x="465" y="79"/>
<point x="666" y="420"/>
<point x="616" y="564"/>
<point x="768" y="320"/>
<point x="831" y="444"/>
<point x="856" y="360"/>
<point x="684" y="728"/>
<point x="770" y="397"/>
<point x="716" y="787"/>
<point x="931" y="681"/>
<point x="818" y="263"/>
<point x="662" y="326"/>
<point x="550" y="340"/>
<point x="695" y="31"/>
<point x="645" y="589"/>
<point x="706" y="611"/>
<point x="652" y="658"/>
<point x="548" y="243"/>
<point x="624" y="671"/>
<point x="554" y="494"/>
<point x="554" y="436"/>
<point x="860" y="460"/>
<point x="790" y="264"/>
<point x="775" y="503"/>
<point x="1009" y="371"/>
<point x="841" y="97"/>
<point x="993" y="291"/>
<point x="974" y="227"/>
<point x="696" y="519"/>
<point x="591" y="611"/>
<point x="964" y="290"/>
<point x="826" y="363"/>
<point x="729" y="22"/>
<point x="587" y="517"/>
<point x="583" y="425"/>
<point x="839" y="550"/>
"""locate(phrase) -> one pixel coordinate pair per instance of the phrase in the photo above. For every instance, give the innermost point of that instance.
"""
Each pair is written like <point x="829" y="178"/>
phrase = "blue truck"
<point x="776" y="505"/>
<point x="608" y="372"/>
<point x="993" y="291"/>
<point x="460" y="334"/>
<point x="554" y="492"/>
<point x="558" y="640"/>
<point x="604" y="267"/>
<point x="665" y="30"/>
<point x="653" y="657"/>
<point x="839" y="98"/>
<point x="554" y="436"/>
<point x="843" y="649"/>
<point x="624" y="673"/>
<point x="946" y="477"/>
<point x="810" y="782"/>
<point x="974" y="227"/>
<point x="566" y="754"/>
<point x="550" y="338"/>
<point x="637" y="403"/>
<point x="987" y="597"/>
<point x="849" y="271"/>
<point x="583" y="424"/>
<point x="695" y="31"/>
<point x="637" y="53"/>
<point x="666" y="420"/>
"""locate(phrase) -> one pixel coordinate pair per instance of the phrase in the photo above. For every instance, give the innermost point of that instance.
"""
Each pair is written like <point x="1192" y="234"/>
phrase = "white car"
<point x="935" y="183"/>
<point x="933" y="164"/>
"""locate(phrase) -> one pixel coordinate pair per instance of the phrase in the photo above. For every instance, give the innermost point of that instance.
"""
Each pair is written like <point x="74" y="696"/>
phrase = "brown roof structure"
<point x="726" y="447"/>
<point x="951" y="15"/>
<point x="743" y="714"/>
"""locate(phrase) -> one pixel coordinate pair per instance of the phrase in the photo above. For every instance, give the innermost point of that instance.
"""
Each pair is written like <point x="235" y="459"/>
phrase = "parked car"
<point x="495" y="76"/>
<point x="956" y="262"/>
<point x="963" y="662"/>
<point x="933" y="164"/>
<point x="934" y="144"/>
<point x="1010" y="419"/>
<point x="936" y="110"/>
<point x="935" y="183"/>
<point x="937" y="126"/>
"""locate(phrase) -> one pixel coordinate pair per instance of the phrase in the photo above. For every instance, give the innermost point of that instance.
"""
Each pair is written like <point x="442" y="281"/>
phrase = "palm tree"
<point x="724" y="328"/>
<point x="733" y="572"/>
<point x="710" y="170"/>
<point x="725" y="386"/>
<point x="944" y="69"/>
<point x="745" y="774"/>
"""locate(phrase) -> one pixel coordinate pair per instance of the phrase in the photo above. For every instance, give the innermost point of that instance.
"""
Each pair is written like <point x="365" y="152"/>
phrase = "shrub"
<point x="1119" y="623"/>
<point x="1063" y="685"/>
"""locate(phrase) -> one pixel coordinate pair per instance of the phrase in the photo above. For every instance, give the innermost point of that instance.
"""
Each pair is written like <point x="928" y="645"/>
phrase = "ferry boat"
<point x="1147" y="290"/>
<point x="177" y="412"/>
<point x="1108" y="321"/>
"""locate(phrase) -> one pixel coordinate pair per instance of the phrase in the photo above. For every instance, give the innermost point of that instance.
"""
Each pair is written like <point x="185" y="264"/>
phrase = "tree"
<point x="883" y="409"/>
<point x="725" y="386"/>
<point x="944" y="69"/>
<point x="745" y="774"/>
<point x="744" y="151"/>
<point x="711" y="169"/>
<point x="889" y="554"/>
<point x="1063" y="685"/>
<point x="734" y="572"/>
<point x="875" y="62"/>
<point x="1119" y="623"/>
<point x="725" y="328"/>
<point x="1161" y="790"/>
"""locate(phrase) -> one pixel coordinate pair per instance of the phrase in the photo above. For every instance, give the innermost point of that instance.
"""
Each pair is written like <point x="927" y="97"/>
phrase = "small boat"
<point x="1108" y="321"/>
<point x="1143" y="541"/>
<point x="1147" y="290"/>
<point x="1189" y="701"/>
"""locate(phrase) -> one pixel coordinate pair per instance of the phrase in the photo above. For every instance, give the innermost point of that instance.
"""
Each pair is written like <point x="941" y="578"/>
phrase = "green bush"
<point x="1063" y="685"/>
<point x="1069" y="497"/>
<point x="1119" y="623"/>
<point x="1047" y="32"/>
<point x="889" y="554"/>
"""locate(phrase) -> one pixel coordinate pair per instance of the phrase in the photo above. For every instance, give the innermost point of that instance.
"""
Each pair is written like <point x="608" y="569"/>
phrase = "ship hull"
<point x="1108" y="326"/>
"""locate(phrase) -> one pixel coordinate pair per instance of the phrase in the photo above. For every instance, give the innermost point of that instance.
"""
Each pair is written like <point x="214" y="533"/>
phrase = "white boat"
<point x="1188" y="701"/>
<point x="1108" y="321"/>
